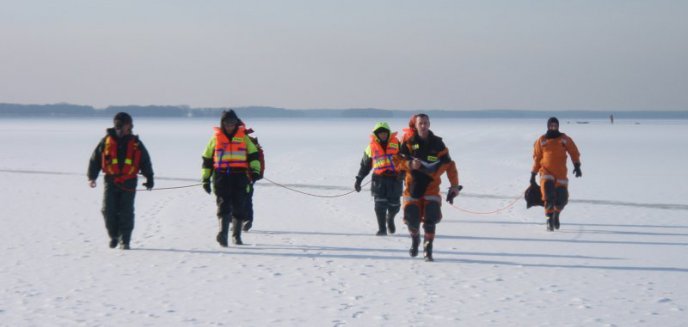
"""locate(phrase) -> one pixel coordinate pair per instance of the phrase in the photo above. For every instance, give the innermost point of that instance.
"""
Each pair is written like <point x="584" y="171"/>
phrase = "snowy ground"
<point x="619" y="259"/>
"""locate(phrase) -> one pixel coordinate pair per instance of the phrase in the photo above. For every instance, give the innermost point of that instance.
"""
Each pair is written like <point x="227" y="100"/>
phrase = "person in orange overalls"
<point x="549" y="160"/>
<point x="425" y="158"/>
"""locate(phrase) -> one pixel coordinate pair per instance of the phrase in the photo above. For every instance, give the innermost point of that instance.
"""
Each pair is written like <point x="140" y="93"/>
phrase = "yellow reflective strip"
<point x="127" y="161"/>
<point x="114" y="160"/>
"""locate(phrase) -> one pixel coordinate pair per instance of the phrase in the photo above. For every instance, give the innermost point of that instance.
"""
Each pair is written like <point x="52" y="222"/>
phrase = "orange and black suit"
<point x="549" y="160"/>
<point x="421" y="196"/>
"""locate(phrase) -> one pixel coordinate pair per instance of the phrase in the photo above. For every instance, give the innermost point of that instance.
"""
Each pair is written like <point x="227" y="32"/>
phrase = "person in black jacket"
<point x="121" y="156"/>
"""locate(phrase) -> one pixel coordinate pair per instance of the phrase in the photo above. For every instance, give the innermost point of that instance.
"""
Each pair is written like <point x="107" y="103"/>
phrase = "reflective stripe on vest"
<point x="110" y="163"/>
<point x="382" y="159"/>
<point x="230" y="154"/>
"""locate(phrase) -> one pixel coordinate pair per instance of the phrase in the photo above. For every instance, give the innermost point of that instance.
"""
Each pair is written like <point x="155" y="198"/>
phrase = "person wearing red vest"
<point x="549" y="160"/>
<point x="231" y="160"/>
<point x="121" y="156"/>
<point x="426" y="158"/>
<point x="387" y="182"/>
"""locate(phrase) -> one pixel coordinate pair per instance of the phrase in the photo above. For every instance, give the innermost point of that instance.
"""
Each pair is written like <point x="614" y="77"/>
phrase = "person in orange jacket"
<point x="549" y="160"/>
<point x="425" y="159"/>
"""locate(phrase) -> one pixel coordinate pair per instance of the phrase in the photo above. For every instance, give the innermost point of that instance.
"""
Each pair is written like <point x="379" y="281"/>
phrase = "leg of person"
<point x="393" y="203"/>
<point x="380" y="214"/>
<point x="561" y="199"/>
<point x="224" y="213"/>
<point x="248" y="223"/>
<point x="412" y="220"/>
<point x="433" y="215"/>
<point x="548" y="196"/>
<point x="110" y="213"/>
<point x="393" y="207"/>
<point x="126" y="214"/>
<point x="240" y="191"/>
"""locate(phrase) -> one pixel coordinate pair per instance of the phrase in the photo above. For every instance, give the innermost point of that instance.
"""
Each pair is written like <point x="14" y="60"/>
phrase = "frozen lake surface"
<point x="618" y="260"/>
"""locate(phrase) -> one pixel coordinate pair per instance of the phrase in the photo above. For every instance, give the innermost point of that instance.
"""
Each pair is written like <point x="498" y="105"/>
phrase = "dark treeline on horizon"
<point x="71" y="110"/>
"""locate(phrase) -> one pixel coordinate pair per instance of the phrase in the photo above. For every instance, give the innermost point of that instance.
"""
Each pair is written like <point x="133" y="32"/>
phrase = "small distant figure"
<point x="231" y="160"/>
<point x="121" y="155"/>
<point x="381" y="156"/>
<point x="549" y="160"/>
<point x="611" y="119"/>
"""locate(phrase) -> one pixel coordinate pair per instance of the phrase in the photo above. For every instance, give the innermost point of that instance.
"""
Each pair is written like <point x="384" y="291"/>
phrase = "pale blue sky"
<point x="455" y="55"/>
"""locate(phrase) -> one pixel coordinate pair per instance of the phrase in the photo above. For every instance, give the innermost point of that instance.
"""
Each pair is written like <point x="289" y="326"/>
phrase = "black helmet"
<point x="121" y="119"/>
<point x="533" y="196"/>
<point x="552" y="120"/>
<point x="229" y="117"/>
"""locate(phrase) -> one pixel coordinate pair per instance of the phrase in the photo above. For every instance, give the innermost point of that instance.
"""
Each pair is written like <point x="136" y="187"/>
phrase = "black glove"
<point x="149" y="183"/>
<point x="576" y="169"/>
<point x="206" y="186"/>
<point x="357" y="185"/>
<point x="451" y="195"/>
<point x="532" y="179"/>
<point x="255" y="177"/>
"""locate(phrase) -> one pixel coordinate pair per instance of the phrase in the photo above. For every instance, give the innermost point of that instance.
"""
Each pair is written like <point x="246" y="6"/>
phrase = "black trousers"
<point x="387" y="193"/>
<point x="430" y="214"/>
<point x="231" y="191"/>
<point x="118" y="208"/>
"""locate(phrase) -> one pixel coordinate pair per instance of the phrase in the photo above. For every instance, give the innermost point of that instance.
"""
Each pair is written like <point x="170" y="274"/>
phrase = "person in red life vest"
<point x="121" y="156"/>
<point x="380" y="156"/>
<point x="248" y="223"/>
<point x="549" y="160"/>
<point x="231" y="160"/>
<point x="426" y="158"/>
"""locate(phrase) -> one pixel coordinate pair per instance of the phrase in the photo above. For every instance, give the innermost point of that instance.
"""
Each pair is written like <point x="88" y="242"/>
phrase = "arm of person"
<point x="207" y="156"/>
<point x="366" y="163"/>
<point x="252" y="156"/>
<point x="95" y="163"/>
<point x="145" y="165"/>
<point x="537" y="156"/>
<point x="572" y="149"/>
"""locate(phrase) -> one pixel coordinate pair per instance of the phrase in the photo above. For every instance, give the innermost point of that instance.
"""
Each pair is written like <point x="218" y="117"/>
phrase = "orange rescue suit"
<point x="549" y="158"/>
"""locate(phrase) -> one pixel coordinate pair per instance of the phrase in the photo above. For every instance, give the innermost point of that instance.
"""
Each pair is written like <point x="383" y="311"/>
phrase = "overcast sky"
<point x="454" y="55"/>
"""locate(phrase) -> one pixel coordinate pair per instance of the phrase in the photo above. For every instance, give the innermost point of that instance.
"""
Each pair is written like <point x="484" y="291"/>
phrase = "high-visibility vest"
<point x="230" y="153"/>
<point x="110" y="162"/>
<point x="382" y="158"/>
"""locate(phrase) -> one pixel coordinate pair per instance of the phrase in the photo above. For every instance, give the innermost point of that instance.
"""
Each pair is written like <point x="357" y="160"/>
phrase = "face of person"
<point x="382" y="135"/>
<point x="553" y="126"/>
<point x="422" y="125"/>
<point x="124" y="130"/>
<point x="229" y="126"/>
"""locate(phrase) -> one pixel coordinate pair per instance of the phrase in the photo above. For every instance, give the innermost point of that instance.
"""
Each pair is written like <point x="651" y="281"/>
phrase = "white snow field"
<point x="619" y="259"/>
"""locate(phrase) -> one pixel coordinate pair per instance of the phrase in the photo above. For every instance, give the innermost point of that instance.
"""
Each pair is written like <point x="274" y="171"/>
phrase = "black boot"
<point x="390" y="223"/>
<point x="415" y="242"/>
<point x="247" y="225"/>
<point x="124" y="241"/>
<point x="224" y="230"/>
<point x="236" y="232"/>
<point x="555" y="219"/>
<point x="550" y="222"/>
<point x="381" y="229"/>
<point x="427" y="250"/>
<point x="113" y="243"/>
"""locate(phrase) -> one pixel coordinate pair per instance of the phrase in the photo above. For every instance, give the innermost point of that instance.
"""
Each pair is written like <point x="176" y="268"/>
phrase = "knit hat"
<point x="121" y="119"/>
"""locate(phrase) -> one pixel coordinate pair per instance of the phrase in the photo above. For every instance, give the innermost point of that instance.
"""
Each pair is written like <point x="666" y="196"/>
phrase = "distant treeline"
<point x="70" y="110"/>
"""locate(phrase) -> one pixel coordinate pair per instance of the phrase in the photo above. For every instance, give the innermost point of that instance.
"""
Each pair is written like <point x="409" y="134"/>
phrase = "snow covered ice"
<point x="618" y="260"/>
